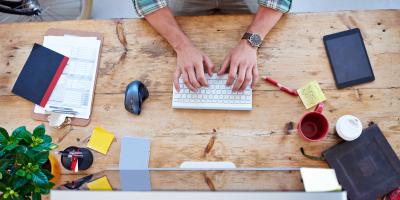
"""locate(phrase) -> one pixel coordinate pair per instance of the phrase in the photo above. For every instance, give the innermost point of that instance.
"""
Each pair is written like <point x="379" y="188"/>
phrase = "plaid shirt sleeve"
<point x="144" y="7"/>
<point x="279" y="5"/>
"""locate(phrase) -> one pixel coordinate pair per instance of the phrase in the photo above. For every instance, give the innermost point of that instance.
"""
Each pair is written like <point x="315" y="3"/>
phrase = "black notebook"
<point x="367" y="167"/>
<point x="39" y="75"/>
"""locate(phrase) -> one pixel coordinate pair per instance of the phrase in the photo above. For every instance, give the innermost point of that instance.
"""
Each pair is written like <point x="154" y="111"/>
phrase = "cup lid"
<point x="349" y="127"/>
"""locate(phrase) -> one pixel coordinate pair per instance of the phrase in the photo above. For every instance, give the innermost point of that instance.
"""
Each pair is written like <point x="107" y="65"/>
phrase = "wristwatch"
<point x="253" y="39"/>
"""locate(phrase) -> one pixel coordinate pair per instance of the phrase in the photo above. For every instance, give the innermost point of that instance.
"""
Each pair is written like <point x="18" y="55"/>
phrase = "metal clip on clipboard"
<point x="59" y="120"/>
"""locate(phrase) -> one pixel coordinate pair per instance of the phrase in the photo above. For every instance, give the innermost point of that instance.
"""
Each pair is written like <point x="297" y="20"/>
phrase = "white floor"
<point x="104" y="9"/>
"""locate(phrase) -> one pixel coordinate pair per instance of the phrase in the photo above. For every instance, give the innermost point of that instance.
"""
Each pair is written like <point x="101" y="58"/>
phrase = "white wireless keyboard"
<point x="216" y="96"/>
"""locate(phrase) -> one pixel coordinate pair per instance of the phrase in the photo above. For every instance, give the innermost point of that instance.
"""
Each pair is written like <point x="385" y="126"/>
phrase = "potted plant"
<point x="25" y="167"/>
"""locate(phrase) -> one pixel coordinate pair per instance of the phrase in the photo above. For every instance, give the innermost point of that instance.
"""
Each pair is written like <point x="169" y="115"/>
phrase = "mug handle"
<point x="319" y="108"/>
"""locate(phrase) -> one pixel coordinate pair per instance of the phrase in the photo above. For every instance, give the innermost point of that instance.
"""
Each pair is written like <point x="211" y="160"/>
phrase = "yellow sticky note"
<point x="311" y="94"/>
<point x="100" y="140"/>
<point x="100" y="184"/>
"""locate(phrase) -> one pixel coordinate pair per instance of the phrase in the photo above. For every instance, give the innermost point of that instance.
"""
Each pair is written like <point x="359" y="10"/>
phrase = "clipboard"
<point x="61" y="32"/>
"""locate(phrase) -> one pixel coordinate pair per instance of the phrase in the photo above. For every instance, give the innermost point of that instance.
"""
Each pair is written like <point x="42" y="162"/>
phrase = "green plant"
<point x="22" y="156"/>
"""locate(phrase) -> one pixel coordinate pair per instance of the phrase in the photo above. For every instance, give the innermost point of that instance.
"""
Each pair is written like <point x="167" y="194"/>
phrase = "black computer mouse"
<point x="135" y="93"/>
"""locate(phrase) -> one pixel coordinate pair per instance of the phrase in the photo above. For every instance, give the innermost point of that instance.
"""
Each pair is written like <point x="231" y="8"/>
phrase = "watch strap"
<point x="247" y="35"/>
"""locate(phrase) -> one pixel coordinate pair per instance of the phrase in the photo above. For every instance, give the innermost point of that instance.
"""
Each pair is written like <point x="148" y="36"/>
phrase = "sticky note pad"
<point x="311" y="94"/>
<point x="319" y="180"/>
<point x="100" y="184"/>
<point x="100" y="140"/>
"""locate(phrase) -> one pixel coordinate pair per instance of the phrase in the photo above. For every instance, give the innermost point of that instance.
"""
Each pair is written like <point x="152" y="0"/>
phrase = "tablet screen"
<point x="348" y="58"/>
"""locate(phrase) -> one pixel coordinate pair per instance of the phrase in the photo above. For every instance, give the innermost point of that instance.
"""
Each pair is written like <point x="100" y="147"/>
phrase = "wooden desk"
<point x="293" y="53"/>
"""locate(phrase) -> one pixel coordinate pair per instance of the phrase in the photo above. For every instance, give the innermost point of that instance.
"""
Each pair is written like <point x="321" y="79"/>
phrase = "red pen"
<point x="281" y="87"/>
<point x="75" y="162"/>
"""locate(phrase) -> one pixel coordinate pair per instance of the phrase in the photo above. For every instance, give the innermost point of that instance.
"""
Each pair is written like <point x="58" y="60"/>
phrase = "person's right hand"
<point x="191" y="63"/>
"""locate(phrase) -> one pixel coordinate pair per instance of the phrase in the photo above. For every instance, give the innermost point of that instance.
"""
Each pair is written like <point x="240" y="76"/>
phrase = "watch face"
<point x="255" y="40"/>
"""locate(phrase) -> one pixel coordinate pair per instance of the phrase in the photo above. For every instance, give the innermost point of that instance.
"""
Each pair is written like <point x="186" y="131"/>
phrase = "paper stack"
<point x="73" y="93"/>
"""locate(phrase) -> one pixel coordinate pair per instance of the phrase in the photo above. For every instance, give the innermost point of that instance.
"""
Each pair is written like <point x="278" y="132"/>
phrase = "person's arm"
<point x="242" y="59"/>
<point x="190" y="60"/>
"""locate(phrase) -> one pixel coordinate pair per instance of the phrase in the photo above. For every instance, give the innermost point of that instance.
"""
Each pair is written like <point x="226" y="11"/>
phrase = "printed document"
<point x="73" y="93"/>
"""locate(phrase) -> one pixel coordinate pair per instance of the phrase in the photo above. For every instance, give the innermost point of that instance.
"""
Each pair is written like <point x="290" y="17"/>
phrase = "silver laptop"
<point x="192" y="184"/>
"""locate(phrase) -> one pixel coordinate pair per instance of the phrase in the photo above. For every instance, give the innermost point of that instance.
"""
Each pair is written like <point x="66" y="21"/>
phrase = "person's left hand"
<point x="242" y="61"/>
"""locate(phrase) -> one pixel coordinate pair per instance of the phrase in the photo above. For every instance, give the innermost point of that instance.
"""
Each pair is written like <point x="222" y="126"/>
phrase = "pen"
<point x="281" y="87"/>
<point x="65" y="112"/>
<point x="60" y="108"/>
<point x="74" y="164"/>
<point x="70" y="154"/>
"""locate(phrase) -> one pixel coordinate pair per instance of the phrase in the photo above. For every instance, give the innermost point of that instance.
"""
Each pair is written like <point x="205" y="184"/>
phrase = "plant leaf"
<point x="18" y="130"/>
<point x="11" y="146"/>
<point x="3" y="135"/>
<point x="24" y="135"/>
<point x="50" y="185"/>
<point x="26" y="192"/>
<point x="2" y="186"/>
<point x="48" y="174"/>
<point x="46" y="139"/>
<point x="53" y="146"/>
<point x="39" y="131"/>
<point x="31" y="153"/>
<point x="44" y="191"/>
<point x="29" y="176"/>
<point x="45" y="147"/>
<point x="36" y="196"/>
<point x="27" y="137"/>
<point x="20" y="172"/>
<point x="39" y="178"/>
<point x="39" y="148"/>
<point x="42" y="157"/>
<point x="22" y="149"/>
<point x="22" y="159"/>
<point x="19" y="182"/>
<point x="4" y="163"/>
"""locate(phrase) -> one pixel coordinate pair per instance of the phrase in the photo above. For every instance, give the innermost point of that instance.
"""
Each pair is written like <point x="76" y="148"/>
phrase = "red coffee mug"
<point x="313" y="126"/>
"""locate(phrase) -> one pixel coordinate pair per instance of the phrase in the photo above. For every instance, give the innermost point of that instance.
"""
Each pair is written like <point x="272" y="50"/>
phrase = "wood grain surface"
<point x="293" y="53"/>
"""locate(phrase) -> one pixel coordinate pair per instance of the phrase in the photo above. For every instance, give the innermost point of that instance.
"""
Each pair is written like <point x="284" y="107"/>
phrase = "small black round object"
<point x="135" y="94"/>
<point x="83" y="163"/>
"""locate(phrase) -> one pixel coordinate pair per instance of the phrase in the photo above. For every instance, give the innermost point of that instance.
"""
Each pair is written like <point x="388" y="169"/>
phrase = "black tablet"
<point x="348" y="58"/>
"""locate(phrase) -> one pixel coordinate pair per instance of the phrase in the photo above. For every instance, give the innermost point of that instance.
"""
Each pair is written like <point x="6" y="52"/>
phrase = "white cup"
<point x="348" y="127"/>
